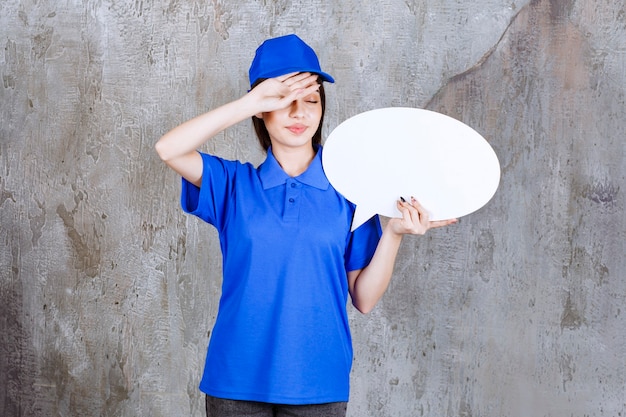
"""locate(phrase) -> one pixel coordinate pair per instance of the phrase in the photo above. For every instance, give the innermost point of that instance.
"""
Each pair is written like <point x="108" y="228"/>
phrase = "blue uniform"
<point x="282" y="333"/>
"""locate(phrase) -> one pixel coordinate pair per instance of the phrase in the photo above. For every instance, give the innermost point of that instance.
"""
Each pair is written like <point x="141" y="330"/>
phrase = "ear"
<point x="259" y="116"/>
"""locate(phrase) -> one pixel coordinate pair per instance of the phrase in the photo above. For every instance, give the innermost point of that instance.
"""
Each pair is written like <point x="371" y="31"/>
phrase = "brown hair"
<point x="263" y="135"/>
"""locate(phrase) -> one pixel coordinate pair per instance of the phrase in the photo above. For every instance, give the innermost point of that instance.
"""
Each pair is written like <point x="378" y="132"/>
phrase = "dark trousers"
<point x="218" y="407"/>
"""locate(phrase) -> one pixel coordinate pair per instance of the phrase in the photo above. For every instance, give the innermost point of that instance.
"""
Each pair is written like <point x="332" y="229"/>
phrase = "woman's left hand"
<point x="415" y="219"/>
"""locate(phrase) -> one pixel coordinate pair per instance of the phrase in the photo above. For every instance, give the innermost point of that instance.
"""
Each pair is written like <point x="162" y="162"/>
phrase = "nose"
<point x="297" y="109"/>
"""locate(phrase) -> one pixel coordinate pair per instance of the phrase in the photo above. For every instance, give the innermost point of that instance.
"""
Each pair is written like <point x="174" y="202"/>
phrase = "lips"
<point x="297" y="128"/>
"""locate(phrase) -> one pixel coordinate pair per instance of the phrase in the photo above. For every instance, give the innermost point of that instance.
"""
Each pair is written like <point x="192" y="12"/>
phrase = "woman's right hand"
<point x="278" y="93"/>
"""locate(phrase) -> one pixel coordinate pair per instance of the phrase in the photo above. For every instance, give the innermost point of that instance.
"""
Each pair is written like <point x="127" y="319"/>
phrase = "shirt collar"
<point x="272" y="174"/>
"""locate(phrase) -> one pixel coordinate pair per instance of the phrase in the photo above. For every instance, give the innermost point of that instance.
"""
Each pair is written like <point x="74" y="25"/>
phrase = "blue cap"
<point x="284" y="55"/>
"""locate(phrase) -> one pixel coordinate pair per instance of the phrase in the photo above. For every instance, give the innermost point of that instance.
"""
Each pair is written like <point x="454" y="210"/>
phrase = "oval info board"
<point x="378" y="156"/>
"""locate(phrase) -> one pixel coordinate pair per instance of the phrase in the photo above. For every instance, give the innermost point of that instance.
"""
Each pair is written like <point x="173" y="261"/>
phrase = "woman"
<point x="281" y="343"/>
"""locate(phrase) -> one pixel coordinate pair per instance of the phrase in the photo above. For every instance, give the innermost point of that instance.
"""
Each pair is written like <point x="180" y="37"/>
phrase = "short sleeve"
<point x="209" y="201"/>
<point x="362" y="244"/>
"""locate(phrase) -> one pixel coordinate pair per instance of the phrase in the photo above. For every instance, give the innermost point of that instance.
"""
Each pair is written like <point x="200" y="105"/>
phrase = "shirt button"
<point x="293" y="185"/>
<point x="291" y="200"/>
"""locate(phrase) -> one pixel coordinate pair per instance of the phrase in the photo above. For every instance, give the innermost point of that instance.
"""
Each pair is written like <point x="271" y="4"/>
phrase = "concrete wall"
<point x="108" y="292"/>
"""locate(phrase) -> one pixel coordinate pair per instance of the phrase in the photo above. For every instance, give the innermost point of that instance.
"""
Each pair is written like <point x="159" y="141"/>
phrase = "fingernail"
<point x="402" y="199"/>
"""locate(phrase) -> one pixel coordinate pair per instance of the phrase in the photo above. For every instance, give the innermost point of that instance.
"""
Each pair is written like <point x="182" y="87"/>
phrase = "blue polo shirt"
<point x="281" y="333"/>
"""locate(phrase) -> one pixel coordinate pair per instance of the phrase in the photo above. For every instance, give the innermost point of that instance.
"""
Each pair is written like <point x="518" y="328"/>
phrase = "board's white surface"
<point x="378" y="156"/>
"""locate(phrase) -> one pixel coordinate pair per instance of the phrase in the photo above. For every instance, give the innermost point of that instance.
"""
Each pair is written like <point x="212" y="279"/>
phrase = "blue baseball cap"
<point x="284" y="55"/>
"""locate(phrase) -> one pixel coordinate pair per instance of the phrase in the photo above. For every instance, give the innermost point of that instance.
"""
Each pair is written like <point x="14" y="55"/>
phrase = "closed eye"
<point x="312" y="98"/>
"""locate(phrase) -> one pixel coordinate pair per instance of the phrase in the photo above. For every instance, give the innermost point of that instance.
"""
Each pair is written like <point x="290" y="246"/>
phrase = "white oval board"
<point x="378" y="156"/>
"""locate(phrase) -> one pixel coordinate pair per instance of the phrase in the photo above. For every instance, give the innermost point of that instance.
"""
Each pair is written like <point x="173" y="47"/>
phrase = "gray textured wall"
<point x="107" y="291"/>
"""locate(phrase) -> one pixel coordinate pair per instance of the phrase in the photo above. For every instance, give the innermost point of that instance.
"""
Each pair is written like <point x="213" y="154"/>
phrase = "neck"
<point x="294" y="161"/>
